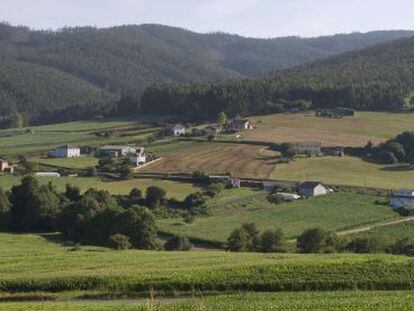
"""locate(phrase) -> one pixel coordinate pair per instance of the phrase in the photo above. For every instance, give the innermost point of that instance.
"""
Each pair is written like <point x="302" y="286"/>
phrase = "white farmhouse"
<point x="402" y="198"/>
<point x="138" y="157"/>
<point x="65" y="151"/>
<point x="178" y="130"/>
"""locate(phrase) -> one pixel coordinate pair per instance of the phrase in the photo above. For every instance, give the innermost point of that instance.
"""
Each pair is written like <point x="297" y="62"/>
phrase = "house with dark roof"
<point x="241" y="124"/>
<point x="402" y="198"/>
<point x="313" y="189"/>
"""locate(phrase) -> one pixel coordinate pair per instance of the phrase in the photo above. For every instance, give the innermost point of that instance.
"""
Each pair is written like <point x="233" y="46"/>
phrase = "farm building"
<point x="312" y="189"/>
<point x="311" y="147"/>
<point x="402" y="198"/>
<point x="178" y="130"/>
<point x="138" y="157"/>
<point x="241" y="124"/>
<point x="116" y="151"/>
<point x="48" y="174"/>
<point x="65" y="151"/>
<point x="6" y="167"/>
<point x="229" y="181"/>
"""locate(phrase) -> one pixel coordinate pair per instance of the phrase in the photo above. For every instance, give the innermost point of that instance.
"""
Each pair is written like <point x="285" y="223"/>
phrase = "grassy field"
<point x="44" y="138"/>
<point x="349" y="131"/>
<point x="346" y="171"/>
<point x="33" y="263"/>
<point x="174" y="189"/>
<point x="335" y="212"/>
<point x="390" y="234"/>
<point x="348" y="300"/>
<point x="75" y="163"/>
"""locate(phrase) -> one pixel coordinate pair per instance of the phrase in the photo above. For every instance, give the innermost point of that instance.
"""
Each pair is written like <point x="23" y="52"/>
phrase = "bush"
<point x="215" y="189"/>
<point x="135" y="193"/>
<point x="200" y="178"/>
<point x="318" y="240"/>
<point x="272" y="241"/>
<point x="366" y="245"/>
<point x="403" y="247"/>
<point x="189" y="218"/>
<point x="119" y="242"/>
<point x="155" y="195"/>
<point x="178" y="243"/>
<point x="91" y="172"/>
<point x="405" y="211"/>
<point x="387" y="157"/>
<point x="244" y="239"/>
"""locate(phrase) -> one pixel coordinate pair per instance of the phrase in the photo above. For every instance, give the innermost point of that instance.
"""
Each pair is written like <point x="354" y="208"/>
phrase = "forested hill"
<point x="376" y="78"/>
<point x="78" y="72"/>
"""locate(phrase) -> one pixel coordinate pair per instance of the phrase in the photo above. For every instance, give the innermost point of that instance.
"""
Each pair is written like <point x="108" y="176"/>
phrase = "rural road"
<point x="381" y="224"/>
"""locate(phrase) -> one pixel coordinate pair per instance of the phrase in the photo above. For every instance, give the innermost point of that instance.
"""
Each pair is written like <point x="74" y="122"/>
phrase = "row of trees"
<point x="94" y="217"/>
<point x="248" y="238"/>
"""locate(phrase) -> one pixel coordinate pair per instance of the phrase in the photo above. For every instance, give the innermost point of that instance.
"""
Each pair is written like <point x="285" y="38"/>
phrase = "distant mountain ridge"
<point x="78" y="71"/>
<point x="377" y="78"/>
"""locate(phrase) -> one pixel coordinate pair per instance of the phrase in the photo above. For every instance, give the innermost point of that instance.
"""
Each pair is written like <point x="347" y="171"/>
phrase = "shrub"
<point x="244" y="239"/>
<point x="403" y="247"/>
<point x="272" y="241"/>
<point x="91" y="172"/>
<point x="318" y="240"/>
<point x="155" y="195"/>
<point x="397" y="149"/>
<point x="119" y="242"/>
<point x="366" y="245"/>
<point x="178" y="243"/>
<point x="135" y="193"/>
<point x="200" y="177"/>
<point x="386" y="157"/>
<point x="189" y="218"/>
<point x="215" y="189"/>
<point x="405" y="211"/>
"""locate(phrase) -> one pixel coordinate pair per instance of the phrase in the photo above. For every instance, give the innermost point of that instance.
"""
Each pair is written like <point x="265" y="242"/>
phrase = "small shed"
<point x="313" y="189"/>
<point x="178" y="130"/>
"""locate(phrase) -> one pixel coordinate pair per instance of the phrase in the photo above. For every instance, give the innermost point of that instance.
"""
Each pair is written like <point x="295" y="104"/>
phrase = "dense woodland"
<point x="81" y="72"/>
<point x="376" y="78"/>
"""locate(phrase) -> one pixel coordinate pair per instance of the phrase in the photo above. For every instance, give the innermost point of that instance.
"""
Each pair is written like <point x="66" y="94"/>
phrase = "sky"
<point x="252" y="18"/>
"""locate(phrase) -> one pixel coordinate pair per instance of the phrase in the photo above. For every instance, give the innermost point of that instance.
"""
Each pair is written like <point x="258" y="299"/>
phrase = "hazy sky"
<point x="256" y="18"/>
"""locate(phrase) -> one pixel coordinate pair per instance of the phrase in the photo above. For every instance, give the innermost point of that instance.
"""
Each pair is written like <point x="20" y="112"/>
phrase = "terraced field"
<point x="349" y="131"/>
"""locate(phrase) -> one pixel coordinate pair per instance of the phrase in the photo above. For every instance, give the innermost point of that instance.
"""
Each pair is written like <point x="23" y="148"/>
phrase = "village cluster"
<point x="136" y="157"/>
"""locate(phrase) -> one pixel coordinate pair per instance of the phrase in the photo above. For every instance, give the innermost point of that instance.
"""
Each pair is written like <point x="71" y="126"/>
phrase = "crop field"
<point x="174" y="189"/>
<point x="342" y="300"/>
<point x="44" y="138"/>
<point x="240" y="160"/>
<point x="349" y="131"/>
<point x="338" y="211"/>
<point x="33" y="263"/>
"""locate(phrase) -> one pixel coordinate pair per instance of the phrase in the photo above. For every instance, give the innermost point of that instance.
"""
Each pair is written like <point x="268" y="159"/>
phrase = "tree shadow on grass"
<point x="398" y="168"/>
<point x="57" y="238"/>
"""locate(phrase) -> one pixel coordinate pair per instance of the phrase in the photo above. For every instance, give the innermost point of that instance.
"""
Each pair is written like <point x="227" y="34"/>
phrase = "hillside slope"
<point x="380" y="77"/>
<point x="77" y="71"/>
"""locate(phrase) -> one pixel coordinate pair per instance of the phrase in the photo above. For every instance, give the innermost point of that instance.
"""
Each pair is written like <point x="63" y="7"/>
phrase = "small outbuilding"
<point x="6" y="167"/>
<point x="402" y="198"/>
<point x="229" y="181"/>
<point x="313" y="189"/>
<point x="241" y="124"/>
<point x="65" y="151"/>
<point x="178" y="130"/>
